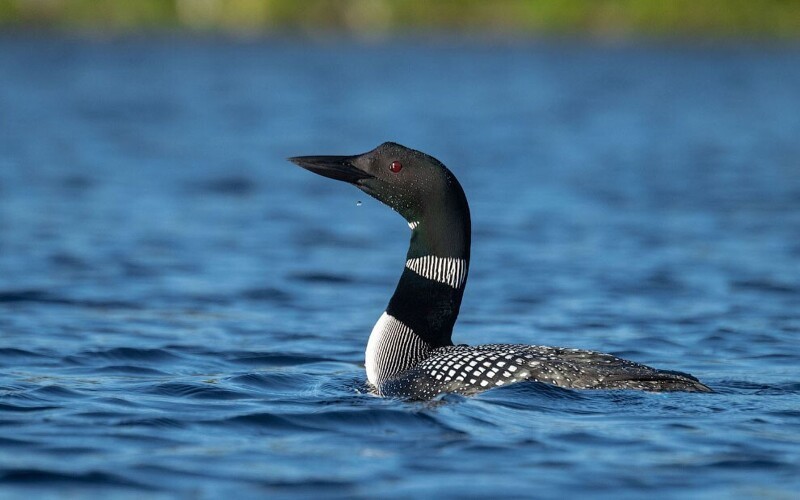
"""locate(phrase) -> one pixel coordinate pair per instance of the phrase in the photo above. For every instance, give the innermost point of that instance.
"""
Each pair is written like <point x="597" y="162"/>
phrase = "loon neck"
<point x="421" y="313"/>
<point x="428" y="297"/>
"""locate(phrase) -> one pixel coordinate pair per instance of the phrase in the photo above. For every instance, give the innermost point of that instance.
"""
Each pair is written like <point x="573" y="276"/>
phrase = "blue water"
<point x="184" y="313"/>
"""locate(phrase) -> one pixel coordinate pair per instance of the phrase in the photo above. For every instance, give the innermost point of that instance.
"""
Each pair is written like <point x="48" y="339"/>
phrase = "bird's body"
<point x="410" y="353"/>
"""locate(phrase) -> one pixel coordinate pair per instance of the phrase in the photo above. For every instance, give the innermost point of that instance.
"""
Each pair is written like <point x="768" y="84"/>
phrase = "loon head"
<point x="414" y="184"/>
<point x="429" y="197"/>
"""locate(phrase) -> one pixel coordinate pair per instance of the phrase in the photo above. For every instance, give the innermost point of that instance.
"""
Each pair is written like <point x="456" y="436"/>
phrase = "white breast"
<point x="393" y="348"/>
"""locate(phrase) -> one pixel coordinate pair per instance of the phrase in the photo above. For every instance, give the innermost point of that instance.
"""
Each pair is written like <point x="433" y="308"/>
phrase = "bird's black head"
<point x="430" y="198"/>
<point x="409" y="181"/>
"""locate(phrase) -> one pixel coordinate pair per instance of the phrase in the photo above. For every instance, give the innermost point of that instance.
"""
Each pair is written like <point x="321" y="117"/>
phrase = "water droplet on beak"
<point x="358" y="203"/>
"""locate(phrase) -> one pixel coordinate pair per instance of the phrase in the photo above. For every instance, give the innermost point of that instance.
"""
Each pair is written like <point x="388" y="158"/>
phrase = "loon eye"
<point x="396" y="166"/>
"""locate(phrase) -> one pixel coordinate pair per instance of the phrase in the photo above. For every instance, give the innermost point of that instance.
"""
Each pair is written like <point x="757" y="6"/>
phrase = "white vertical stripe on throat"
<point x="393" y="347"/>
<point x="451" y="271"/>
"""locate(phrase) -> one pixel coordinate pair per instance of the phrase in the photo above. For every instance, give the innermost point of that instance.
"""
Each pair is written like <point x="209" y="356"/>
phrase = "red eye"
<point x="396" y="166"/>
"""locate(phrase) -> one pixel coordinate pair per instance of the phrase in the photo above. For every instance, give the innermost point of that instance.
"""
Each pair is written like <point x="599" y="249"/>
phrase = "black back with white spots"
<point x="471" y="369"/>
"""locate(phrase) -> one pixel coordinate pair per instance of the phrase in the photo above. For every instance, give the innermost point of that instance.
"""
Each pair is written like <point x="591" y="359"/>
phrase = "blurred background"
<point x="184" y="313"/>
<point x="602" y="18"/>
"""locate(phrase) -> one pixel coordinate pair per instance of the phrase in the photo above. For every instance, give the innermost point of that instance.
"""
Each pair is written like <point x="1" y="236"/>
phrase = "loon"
<point x="410" y="354"/>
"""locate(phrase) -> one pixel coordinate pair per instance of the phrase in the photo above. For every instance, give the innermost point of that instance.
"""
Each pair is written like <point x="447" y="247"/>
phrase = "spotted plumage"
<point x="410" y="353"/>
<point x="467" y="369"/>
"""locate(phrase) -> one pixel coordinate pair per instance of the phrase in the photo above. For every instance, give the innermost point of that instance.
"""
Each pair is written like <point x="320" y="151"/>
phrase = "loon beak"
<point x="340" y="168"/>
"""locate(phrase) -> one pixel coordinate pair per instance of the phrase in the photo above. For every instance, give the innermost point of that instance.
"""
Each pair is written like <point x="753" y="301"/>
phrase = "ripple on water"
<point x="16" y="355"/>
<point x="272" y="359"/>
<point x="198" y="390"/>
<point x="273" y="382"/>
<point x="66" y="479"/>
<point x="129" y="370"/>
<point x="24" y="408"/>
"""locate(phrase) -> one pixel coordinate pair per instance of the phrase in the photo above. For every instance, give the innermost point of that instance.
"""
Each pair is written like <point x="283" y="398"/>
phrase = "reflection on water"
<point x="183" y="311"/>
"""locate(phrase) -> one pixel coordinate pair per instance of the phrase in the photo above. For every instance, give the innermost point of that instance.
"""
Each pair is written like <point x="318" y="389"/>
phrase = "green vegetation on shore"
<point x="595" y="18"/>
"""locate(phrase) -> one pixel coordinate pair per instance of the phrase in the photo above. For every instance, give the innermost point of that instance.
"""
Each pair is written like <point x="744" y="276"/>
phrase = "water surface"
<point x="184" y="313"/>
